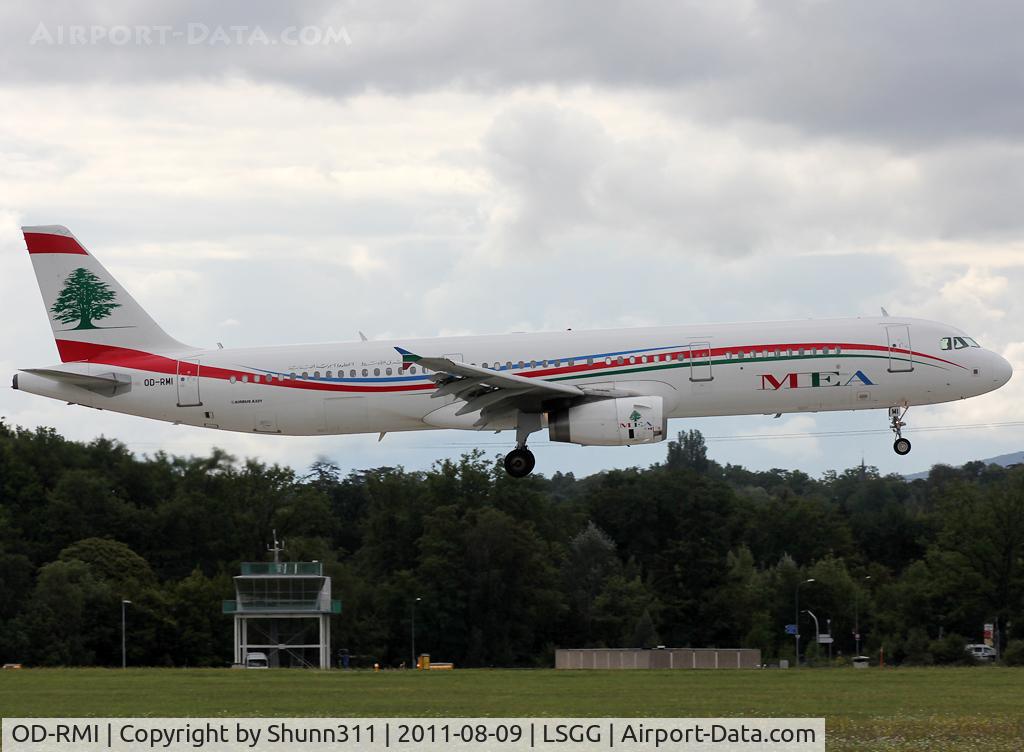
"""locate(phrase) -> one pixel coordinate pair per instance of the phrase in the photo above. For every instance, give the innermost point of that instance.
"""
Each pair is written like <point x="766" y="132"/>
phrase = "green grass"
<point x="901" y="709"/>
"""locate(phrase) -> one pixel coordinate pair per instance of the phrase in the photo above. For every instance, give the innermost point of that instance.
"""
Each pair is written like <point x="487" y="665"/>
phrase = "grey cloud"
<point x="912" y="72"/>
<point x="562" y="177"/>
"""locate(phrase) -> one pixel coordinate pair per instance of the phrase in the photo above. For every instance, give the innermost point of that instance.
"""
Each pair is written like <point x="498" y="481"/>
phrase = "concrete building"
<point x="660" y="658"/>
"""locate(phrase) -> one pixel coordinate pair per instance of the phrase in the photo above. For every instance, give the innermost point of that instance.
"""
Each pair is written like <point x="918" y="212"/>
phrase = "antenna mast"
<point x="277" y="548"/>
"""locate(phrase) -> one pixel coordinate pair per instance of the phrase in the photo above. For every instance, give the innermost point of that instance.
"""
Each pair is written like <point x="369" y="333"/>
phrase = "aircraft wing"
<point x="492" y="392"/>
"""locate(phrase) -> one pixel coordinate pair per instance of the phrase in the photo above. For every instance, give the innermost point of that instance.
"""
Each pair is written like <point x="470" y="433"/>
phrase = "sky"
<point x="261" y="173"/>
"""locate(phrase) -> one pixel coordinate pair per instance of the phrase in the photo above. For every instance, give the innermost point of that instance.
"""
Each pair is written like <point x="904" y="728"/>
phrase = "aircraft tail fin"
<point x="90" y="312"/>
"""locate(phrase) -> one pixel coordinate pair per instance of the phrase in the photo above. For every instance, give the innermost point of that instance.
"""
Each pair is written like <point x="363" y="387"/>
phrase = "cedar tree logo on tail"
<point x="84" y="298"/>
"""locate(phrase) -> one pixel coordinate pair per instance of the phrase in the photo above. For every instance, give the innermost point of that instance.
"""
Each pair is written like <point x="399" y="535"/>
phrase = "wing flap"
<point x="493" y="394"/>
<point x="488" y="377"/>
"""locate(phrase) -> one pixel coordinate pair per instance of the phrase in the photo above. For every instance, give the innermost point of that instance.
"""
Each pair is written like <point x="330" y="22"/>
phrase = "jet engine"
<point x="610" y="422"/>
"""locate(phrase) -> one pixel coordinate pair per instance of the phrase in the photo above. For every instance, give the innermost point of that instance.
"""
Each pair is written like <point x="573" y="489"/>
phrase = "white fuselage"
<point x="698" y="370"/>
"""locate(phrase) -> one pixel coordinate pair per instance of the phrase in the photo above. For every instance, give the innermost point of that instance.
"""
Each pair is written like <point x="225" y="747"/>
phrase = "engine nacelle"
<point x="611" y="422"/>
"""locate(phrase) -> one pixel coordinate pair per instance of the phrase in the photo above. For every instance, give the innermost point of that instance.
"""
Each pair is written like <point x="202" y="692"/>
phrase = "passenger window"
<point x="316" y="374"/>
<point x="959" y="344"/>
<point x="245" y="379"/>
<point x="365" y="372"/>
<point x="946" y="343"/>
<point x="412" y="370"/>
<point x="387" y="371"/>
<point x="256" y="378"/>
<point x="294" y="376"/>
<point x="328" y="374"/>
<point x="376" y="372"/>
<point x="232" y="379"/>
<point x="305" y="374"/>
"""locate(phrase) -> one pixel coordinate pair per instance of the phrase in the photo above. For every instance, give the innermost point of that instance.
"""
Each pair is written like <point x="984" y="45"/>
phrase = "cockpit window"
<point x="957" y="343"/>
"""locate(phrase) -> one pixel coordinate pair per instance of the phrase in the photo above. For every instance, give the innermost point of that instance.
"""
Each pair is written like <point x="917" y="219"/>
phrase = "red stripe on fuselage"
<point x="143" y="361"/>
<point x="681" y="356"/>
<point x="41" y="242"/>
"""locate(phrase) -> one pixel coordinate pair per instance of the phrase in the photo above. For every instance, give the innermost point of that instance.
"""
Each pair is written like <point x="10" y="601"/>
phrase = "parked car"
<point x="983" y="653"/>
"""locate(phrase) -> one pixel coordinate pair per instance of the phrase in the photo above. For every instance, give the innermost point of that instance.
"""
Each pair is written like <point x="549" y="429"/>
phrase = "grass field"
<point x="894" y="709"/>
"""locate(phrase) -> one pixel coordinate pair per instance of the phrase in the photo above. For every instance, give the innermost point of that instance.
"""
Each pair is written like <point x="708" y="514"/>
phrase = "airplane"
<point x="614" y="387"/>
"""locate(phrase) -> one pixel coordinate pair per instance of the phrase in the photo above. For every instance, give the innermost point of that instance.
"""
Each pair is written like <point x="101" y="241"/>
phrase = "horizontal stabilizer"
<point x="105" y="384"/>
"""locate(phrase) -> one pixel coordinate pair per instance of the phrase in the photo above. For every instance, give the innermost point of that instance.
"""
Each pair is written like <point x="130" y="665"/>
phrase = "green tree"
<point x="688" y="451"/>
<point x="590" y="562"/>
<point x="84" y="298"/>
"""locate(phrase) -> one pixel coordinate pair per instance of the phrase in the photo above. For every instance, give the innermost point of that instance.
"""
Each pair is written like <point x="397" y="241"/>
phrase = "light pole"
<point x="817" y="631"/>
<point x="856" y="615"/>
<point x="797" y="619"/>
<point x="415" y="601"/>
<point x="124" y="651"/>
<point x="829" y="633"/>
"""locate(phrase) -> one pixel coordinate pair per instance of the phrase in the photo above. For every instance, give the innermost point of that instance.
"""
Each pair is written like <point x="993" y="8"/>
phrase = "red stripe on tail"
<point x="39" y="242"/>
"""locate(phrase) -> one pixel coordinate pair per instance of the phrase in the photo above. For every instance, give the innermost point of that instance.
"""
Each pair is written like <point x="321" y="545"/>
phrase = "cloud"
<point x="911" y="74"/>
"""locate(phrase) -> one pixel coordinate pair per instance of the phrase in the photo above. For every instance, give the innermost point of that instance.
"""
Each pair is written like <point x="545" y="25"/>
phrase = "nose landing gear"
<point x="896" y="414"/>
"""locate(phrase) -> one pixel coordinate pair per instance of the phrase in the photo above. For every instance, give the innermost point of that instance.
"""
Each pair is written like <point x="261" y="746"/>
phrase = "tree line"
<point x="686" y="552"/>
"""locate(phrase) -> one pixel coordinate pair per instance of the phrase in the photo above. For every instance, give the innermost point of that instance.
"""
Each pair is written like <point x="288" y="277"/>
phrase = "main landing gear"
<point x="520" y="461"/>
<point x="896" y="414"/>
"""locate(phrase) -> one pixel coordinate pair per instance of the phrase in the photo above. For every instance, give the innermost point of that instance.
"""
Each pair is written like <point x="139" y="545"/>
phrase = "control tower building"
<point x="283" y="609"/>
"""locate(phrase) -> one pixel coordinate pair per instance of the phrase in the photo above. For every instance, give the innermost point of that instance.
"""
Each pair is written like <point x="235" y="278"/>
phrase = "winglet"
<point x="408" y="358"/>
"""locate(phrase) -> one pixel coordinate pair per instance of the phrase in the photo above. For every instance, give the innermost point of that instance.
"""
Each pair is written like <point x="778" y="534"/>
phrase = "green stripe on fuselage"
<point x="733" y="362"/>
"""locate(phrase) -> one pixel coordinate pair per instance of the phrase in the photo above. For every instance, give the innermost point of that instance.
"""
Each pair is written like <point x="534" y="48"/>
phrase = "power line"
<point x="723" y="438"/>
<point x="768" y="436"/>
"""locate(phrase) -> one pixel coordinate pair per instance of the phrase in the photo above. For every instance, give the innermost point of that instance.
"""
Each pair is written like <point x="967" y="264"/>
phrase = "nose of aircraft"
<point x="1001" y="369"/>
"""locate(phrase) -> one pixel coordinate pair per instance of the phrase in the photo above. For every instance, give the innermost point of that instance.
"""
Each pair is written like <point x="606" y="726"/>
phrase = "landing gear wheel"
<point x="896" y="414"/>
<point x="901" y="446"/>
<point x="520" y="462"/>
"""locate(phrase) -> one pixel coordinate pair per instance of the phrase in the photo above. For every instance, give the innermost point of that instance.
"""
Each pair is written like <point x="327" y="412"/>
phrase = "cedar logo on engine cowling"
<point x="811" y="379"/>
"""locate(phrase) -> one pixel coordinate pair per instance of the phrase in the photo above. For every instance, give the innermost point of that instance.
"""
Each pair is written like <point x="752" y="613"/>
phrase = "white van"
<point x="983" y="653"/>
<point x="256" y="660"/>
